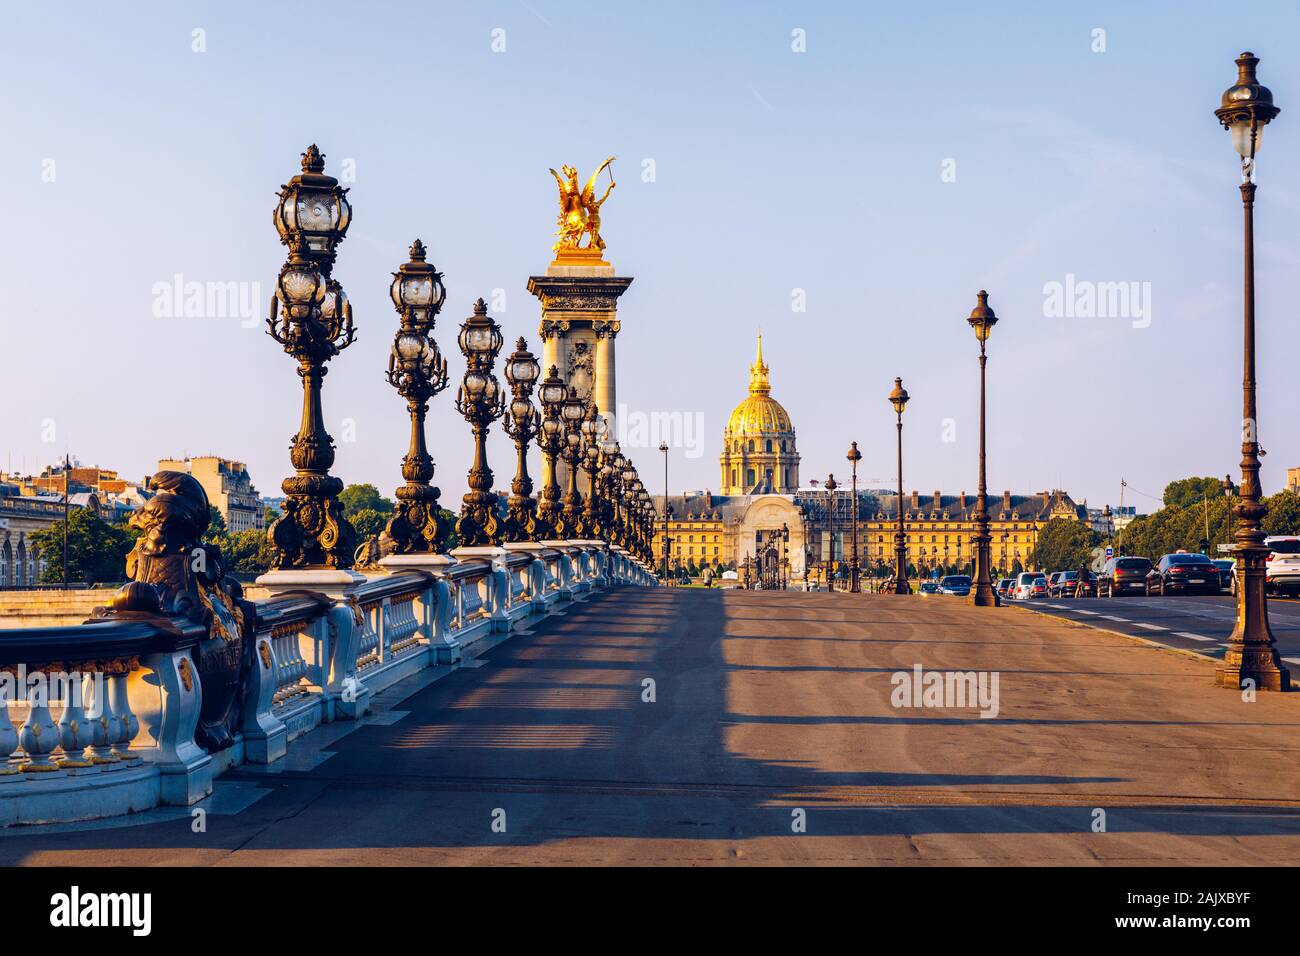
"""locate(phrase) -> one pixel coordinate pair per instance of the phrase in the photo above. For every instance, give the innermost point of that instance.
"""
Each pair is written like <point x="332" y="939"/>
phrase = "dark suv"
<point x="1183" y="572"/>
<point x="1123" y="575"/>
<point x="1068" y="585"/>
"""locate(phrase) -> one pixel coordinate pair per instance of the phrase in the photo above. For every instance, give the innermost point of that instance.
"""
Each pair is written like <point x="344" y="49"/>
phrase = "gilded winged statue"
<point x="579" y="208"/>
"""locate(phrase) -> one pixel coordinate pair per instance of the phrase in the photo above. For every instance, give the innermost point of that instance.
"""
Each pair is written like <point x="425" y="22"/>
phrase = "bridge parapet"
<point x="100" y="719"/>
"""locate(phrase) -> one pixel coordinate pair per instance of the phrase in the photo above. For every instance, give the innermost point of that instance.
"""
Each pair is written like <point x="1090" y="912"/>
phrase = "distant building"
<point x="228" y="487"/>
<point x="1293" y="479"/>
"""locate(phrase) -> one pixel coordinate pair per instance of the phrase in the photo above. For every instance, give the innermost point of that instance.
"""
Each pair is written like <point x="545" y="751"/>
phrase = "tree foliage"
<point x="1186" y="492"/>
<point x="97" y="550"/>
<point x="1064" y="544"/>
<point x="355" y="498"/>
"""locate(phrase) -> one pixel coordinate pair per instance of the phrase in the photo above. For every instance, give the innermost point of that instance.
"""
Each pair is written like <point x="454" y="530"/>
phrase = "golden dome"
<point x="760" y="413"/>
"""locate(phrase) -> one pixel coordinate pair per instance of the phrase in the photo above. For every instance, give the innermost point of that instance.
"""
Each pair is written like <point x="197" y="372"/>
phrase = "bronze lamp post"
<point x="593" y="436"/>
<point x="854" y="456"/>
<point x="572" y="412"/>
<point x="550" y="439"/>
<point x="480" y="400"/>
<point x="1245" y="109"/>
<point x="521" y="423"/>
<point x="899" y="398"/>
<point x="311" y="319"/>
<point x="830" y="530"/>
<point x="982" y="319"/>
<point x="417" y="369"/>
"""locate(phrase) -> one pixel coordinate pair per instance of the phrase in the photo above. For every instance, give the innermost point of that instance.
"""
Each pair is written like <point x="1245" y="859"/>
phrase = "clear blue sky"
<point x="775" y="171"/>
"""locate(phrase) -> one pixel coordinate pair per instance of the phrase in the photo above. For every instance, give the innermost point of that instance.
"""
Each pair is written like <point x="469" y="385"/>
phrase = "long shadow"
<point x="559" y="734"/>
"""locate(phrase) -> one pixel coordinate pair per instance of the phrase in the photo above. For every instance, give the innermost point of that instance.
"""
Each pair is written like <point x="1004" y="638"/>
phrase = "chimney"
<point x="708" y="499"/>
<point x="938" y="506"/>
<point x="916" y="501"/>
<point x="1006" y="502"/>
<point x="961" y="502"/>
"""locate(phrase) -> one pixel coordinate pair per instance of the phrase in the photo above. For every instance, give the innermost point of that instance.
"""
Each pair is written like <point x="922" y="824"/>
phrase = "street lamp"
<point x="572" y="411"/>
<point x="593" y="438"/>
<point x="417" y="369"/>
<point x="550" y="439"/>
<point x="522" y="423"/>
<point x="982" y="319"/>
<point x="830" y="528"/>
<point x="899" y="398"/>
<point x="479" y="399"/>
<point x="854" y="456"/>
<point x="311" y="319"/>
<point x="1245" y="109"/>
<point x="1228" y="490"/>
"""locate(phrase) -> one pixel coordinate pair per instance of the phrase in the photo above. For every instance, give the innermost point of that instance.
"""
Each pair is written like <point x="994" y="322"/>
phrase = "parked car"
<point x="1068" y="585"/>
<point x="1282" y="572"/>
<point x="928" y="587"/>
<point x="1123" y="575"/>
<point x="1226" y="567"/>
<point x="1029" y="585"/>
<point x="1053" y="580"/>
<point x="958" y="584"/>
<point x="1004" y="586"/>
<point x="1183" y="571"/>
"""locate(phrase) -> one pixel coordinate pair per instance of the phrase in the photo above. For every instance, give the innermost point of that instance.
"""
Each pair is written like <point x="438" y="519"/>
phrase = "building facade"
<point x="763" y="516"/>
<point x="228" y="487"/>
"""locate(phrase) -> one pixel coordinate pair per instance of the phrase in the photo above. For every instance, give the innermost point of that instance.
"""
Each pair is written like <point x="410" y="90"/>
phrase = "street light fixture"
<point x="311" y="319"/>
<point x="854" y="456"/>
<point x="1245" y="109"/>
<point x="550" y="439"/>
<point x="899" y="398"/>
<point x="572" y="412"/>
<point x="417" y="369"/>
<point x="479" y="399"/>
<point x="982" y="319"/>
<point x="830" y="529"/>
<point x="522" y="423"/>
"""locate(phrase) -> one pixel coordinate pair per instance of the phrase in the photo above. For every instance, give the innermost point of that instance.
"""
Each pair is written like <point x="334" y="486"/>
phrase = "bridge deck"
<point x="765" y="702"/>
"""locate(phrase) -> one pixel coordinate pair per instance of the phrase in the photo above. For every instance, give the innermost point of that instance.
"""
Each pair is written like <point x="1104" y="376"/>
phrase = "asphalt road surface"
<point x="770" y="734"/>
<point x="1194" y="622"/>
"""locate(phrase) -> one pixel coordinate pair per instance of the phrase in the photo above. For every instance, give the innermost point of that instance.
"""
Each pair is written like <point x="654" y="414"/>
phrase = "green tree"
<point x="97" y="550"/>
<point x="1064" y="544"/>
<point x="216" y="527"/>
<point x="246" y="553"/>
<point x="356" y="498"/>
<point x="368" y="522"/>
<point x="1186" y="492"/>
<point x="1283" y="513"/>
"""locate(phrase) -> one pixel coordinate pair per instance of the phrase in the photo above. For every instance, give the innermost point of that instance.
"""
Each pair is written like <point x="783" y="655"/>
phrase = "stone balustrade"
<point x="99" y="719"/>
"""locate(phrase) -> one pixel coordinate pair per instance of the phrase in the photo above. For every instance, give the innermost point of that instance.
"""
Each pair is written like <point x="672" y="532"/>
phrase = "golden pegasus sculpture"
<point x="580" y="209"/>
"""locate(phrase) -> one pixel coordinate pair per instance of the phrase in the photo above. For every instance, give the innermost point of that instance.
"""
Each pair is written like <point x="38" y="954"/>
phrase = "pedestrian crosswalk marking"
<point x="1150" y="627"/>
<point x="1190" y="636"/>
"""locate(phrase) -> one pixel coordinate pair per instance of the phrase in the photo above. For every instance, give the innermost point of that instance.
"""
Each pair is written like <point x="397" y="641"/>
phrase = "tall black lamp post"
<point x="550" y="439"/>
<point x="830" y="529"/>
<point x="311" y="319"/>
<point x="899" y="398"/>
<point x="982" y="319"/>
<point x="854" y="456"/>
<point x="1245" y="109"/>
<point x="418" y="371"/>
<point x="479" y="399"/>
<point x="521" y="422"/>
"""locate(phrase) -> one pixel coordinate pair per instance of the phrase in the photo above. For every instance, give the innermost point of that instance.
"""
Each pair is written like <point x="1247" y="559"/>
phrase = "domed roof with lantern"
<point x="759" y="415"/>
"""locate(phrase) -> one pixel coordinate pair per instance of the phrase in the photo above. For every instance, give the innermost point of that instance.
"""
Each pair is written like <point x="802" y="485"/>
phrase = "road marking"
<point x="1112" y="617"/>
<point x="1150" y="627"/>
<point x="1057" y="607"/>
<point x="1190" y="636"/>
<point x="1292" y="660"/>
<point x="1082" y="611"/>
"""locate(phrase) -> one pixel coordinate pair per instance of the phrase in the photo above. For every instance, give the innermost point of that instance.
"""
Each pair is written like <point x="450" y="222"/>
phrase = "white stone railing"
<point x="119" y="738"/>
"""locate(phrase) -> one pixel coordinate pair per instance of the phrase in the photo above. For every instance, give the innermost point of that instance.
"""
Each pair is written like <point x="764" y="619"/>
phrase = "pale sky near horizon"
<point x="130" y="159"/>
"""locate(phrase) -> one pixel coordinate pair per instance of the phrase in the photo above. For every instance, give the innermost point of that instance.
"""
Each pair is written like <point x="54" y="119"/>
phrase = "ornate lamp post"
<point x="1229" y="489"/>
<point x="522" y="423"/>
<point x="982" y="319"/>
<point x="480" y="400"/>
<point x="830" y="530"/>
<point x="550" y="439"/>
<point x="1245" y="109"/>
<point x="663" y="447"/>
<point x="854" y="456"/>
<point x="418" y="371"/>
<point x="785" y="556"/>
<point x="311" y="319"/>
<point x="899" y="398"/>
<point x="593" y="436"/>
<point x="571" y="412"/>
